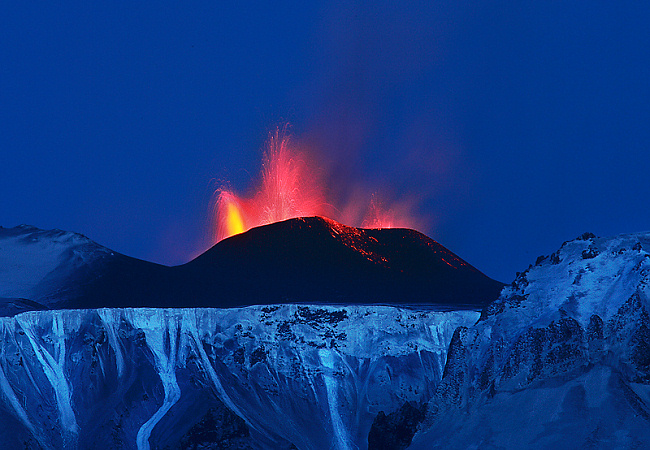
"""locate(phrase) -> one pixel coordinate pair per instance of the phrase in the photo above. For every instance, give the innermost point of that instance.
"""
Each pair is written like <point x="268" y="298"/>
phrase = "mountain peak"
<point x="37" y="263"/>
<point x="584" y="276"/>
<point x="317" y="259"/>
<point x="570" y="337"/>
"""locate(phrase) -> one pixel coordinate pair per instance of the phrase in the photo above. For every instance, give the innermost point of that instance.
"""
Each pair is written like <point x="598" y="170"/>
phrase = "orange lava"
<point x="291" y="186"/>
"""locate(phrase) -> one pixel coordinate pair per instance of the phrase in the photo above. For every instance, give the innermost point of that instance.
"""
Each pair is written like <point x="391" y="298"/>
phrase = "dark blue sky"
<point x="515" y="125"/>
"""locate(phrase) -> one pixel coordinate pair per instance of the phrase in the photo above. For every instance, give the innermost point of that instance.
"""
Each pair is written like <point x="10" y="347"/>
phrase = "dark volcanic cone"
<point x="312" y="259"/>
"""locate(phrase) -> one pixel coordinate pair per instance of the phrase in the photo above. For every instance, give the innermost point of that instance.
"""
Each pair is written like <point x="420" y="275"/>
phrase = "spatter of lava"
<point x="291" y="186"/>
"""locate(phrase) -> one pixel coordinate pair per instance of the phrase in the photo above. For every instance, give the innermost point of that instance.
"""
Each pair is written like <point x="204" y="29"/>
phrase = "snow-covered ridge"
<point x="312" y="376"/>
<point x="586" y="276"/>
<point x="561" y="359"/>
<point x="34" y="261"/>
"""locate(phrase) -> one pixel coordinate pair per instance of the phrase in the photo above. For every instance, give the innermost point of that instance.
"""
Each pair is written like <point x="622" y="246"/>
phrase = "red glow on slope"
<point x="290" y="187"/>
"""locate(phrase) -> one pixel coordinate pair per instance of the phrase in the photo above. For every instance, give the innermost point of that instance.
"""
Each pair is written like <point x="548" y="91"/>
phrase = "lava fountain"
<point x="291" y="186"/>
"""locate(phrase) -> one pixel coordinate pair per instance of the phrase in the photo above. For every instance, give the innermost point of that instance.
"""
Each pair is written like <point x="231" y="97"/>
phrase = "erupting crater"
<point x="292" y="185"/>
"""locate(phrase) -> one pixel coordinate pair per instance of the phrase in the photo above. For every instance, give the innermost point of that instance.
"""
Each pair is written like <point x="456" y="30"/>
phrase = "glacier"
<point x="283" y="376"/>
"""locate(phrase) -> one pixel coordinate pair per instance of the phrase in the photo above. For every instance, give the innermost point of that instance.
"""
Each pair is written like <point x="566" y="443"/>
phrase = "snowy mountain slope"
<point x="561" y="359"/>
<point x="258" y="377"/>
<point x="54" y="269"/>
<point x="37" y="264"/>
<point x="12" y="306"/>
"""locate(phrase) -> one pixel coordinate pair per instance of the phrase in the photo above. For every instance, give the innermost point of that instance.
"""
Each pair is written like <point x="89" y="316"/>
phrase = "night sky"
<point x="511" y="126"/>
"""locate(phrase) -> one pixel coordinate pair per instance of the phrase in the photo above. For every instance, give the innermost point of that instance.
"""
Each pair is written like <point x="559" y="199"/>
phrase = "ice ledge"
<point x="341" y="363"/>
<point x="356" y="330"/>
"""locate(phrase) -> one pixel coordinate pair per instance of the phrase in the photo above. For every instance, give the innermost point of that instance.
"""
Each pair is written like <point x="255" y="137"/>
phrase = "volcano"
<point x="314" y="259"/>
<point x="304" y="260"/>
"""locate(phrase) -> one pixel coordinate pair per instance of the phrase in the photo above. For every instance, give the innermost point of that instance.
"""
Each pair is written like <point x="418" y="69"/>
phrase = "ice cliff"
<point x="292" y="376"/>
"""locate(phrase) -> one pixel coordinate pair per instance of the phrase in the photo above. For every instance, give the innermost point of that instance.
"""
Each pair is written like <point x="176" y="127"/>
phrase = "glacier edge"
<point x="303" y="375"/>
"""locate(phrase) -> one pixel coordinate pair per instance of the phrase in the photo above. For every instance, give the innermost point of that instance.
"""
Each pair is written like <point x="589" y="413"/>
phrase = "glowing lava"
<point x="233" y="222"/>
<point x="291" y="187"/>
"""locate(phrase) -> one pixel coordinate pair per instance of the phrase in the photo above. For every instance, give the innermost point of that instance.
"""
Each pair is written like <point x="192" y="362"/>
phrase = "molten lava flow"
<point x="290" y="187"/>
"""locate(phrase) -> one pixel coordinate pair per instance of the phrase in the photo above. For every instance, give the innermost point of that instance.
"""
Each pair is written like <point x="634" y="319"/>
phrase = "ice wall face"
<point x="562" y="358"/>
<point x="256" y="377"/>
